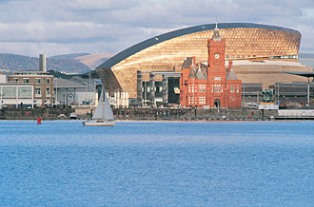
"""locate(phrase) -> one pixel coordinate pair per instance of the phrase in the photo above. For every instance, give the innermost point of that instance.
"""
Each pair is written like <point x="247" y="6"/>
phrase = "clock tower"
<point x="216" y="72"/>
<point x="213" y="86"/>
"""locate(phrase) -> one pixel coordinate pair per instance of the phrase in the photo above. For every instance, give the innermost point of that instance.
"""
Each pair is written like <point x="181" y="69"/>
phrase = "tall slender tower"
<point x="42" y="63"/>
<point x="216" y="69"/>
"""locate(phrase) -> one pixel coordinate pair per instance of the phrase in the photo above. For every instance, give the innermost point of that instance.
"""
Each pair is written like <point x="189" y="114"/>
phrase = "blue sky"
<point x="53" y="27"/>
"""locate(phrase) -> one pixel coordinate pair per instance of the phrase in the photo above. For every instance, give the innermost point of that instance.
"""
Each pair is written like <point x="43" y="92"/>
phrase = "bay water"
<point x="62" y="163"/>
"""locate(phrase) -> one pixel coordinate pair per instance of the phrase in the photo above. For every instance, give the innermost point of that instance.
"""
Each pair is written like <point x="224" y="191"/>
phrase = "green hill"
<point x="19" y="62"/>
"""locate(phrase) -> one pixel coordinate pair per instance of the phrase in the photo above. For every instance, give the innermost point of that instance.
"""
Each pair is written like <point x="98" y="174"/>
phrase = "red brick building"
<point x="211" y="85"/>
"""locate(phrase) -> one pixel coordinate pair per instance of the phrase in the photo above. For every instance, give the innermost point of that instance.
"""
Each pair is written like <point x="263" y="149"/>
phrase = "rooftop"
<point x="181" y="32"/>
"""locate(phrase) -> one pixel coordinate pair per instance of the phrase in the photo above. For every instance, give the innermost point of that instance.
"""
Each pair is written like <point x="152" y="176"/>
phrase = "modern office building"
<point x="260" y="54"/>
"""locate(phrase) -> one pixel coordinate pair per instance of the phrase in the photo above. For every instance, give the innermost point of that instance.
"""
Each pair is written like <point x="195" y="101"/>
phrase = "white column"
<point x="308" y="91"/>
<point x="32" y="96"/>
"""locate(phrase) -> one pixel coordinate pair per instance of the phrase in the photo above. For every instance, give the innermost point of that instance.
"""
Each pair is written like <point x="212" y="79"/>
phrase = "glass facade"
<point x="16" y="92"/>
<point x="242" y="43"/>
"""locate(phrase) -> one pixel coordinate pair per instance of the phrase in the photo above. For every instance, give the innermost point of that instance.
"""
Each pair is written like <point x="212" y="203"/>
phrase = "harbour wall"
<point x="184" y="114"/>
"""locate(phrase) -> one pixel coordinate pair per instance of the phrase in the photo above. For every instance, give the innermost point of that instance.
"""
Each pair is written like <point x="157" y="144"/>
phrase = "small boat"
<point x="73" y="115"/>
<point x="103" y="115"/>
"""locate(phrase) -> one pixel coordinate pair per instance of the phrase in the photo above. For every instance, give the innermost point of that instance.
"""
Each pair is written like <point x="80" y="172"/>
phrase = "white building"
<point x="16" y="95"/>
<point x="69" y="92"/>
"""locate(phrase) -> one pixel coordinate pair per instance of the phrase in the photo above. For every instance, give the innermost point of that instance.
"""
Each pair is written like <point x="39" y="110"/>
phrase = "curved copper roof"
<point x="177" y="33"/>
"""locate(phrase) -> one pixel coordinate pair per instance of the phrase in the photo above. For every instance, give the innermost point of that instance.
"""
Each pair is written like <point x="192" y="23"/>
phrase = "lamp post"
<point x="1" y="103"/>
<point x="278" y="95"/>
<point x="308" y="91"/>
<point x="243" y="95"/>
<point x="145" y="91"/>
<point x="56" y="93"/>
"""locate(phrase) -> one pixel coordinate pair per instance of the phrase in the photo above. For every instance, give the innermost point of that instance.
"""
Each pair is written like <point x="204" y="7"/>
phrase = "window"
<point x="15" y="80"/>
<point x="202" y="88"/>
<point x="202" y="100"/>
<point x="9" y="92"/>
<point x="48" y="90"/>
<point x="25" y="80"/>
<point x="47" y="80"/>
<point x="217" y="88"/>
<point x="37" y="81"/>
<point x="191" y="88"/>
<point x="37" y="90"/>
<point x="232" y="89"/>
<point x="25" y="91"/>
<point x="191" y="100"/>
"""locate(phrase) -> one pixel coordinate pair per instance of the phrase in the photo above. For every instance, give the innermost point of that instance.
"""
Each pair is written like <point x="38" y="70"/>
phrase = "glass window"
<point x="202" y="88"/>
<point x="37" y="81"/>
<point x="25" y="80"/>
<point x="191" y="88"/>
<point x="217" y="88"/>
<point x="47" y="80"/>
<point x="25" y="92"/>
<point x="232" y="89"/>
<point x="191" y="100"/>
<point x="48" y="90"/>
<point x="38" y="91"/>
<point x="202" y="100"/>
<point x="9" y="91"/>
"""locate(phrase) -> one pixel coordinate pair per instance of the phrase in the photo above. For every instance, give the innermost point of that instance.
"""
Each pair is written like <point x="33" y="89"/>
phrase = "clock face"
<point x="217" y="55"/>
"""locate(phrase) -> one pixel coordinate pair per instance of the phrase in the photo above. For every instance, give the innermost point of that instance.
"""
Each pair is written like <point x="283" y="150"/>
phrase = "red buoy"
<point x="38" y="120"/>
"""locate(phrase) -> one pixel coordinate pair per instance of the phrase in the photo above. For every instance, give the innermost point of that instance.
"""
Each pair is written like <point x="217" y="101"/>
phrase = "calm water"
<point x="62" y="163"/>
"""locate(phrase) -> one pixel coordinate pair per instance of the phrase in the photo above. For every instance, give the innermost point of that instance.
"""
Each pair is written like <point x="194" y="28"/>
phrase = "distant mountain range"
<point x="307" y="59"/>
<point x="306" y="56"/>
<point x="78" y="62"/>
<point x="70" y="63"/>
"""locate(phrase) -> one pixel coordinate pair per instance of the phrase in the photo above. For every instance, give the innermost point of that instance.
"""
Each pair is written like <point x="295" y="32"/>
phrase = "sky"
<point x="55" y="27"/>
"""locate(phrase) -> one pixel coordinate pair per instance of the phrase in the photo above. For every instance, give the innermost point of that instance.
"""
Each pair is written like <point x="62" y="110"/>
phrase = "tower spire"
<point x="216" y="36"/>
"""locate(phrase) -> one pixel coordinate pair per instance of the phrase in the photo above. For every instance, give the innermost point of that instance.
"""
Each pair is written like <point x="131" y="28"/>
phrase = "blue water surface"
<point x="62" y="163"/>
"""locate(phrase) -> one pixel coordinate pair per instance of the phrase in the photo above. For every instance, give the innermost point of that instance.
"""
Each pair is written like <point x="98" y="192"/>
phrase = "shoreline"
<point x="156" y="114"/>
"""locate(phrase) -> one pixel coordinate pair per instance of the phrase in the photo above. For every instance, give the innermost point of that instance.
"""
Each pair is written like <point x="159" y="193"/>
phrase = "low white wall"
<point x="296" y="112"/>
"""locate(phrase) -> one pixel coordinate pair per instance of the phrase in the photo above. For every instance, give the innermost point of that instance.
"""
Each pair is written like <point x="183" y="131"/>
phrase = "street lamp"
<point x="278" y="94"/>
<point x="308" y="91"/>
<point x="1" y="104"/>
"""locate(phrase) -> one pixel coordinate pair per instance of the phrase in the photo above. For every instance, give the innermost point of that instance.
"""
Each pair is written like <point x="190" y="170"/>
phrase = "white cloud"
<point x="308" y="13"/>
<point x="98" y="26"/>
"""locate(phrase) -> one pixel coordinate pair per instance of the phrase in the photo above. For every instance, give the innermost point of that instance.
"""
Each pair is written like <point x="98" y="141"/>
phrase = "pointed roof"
<point x="216" y="36"/>
<point x="187" y="62"/>
<point x="200" y="74"/>
<point x="231" y="75"/>
<point x="192" y="71"/>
